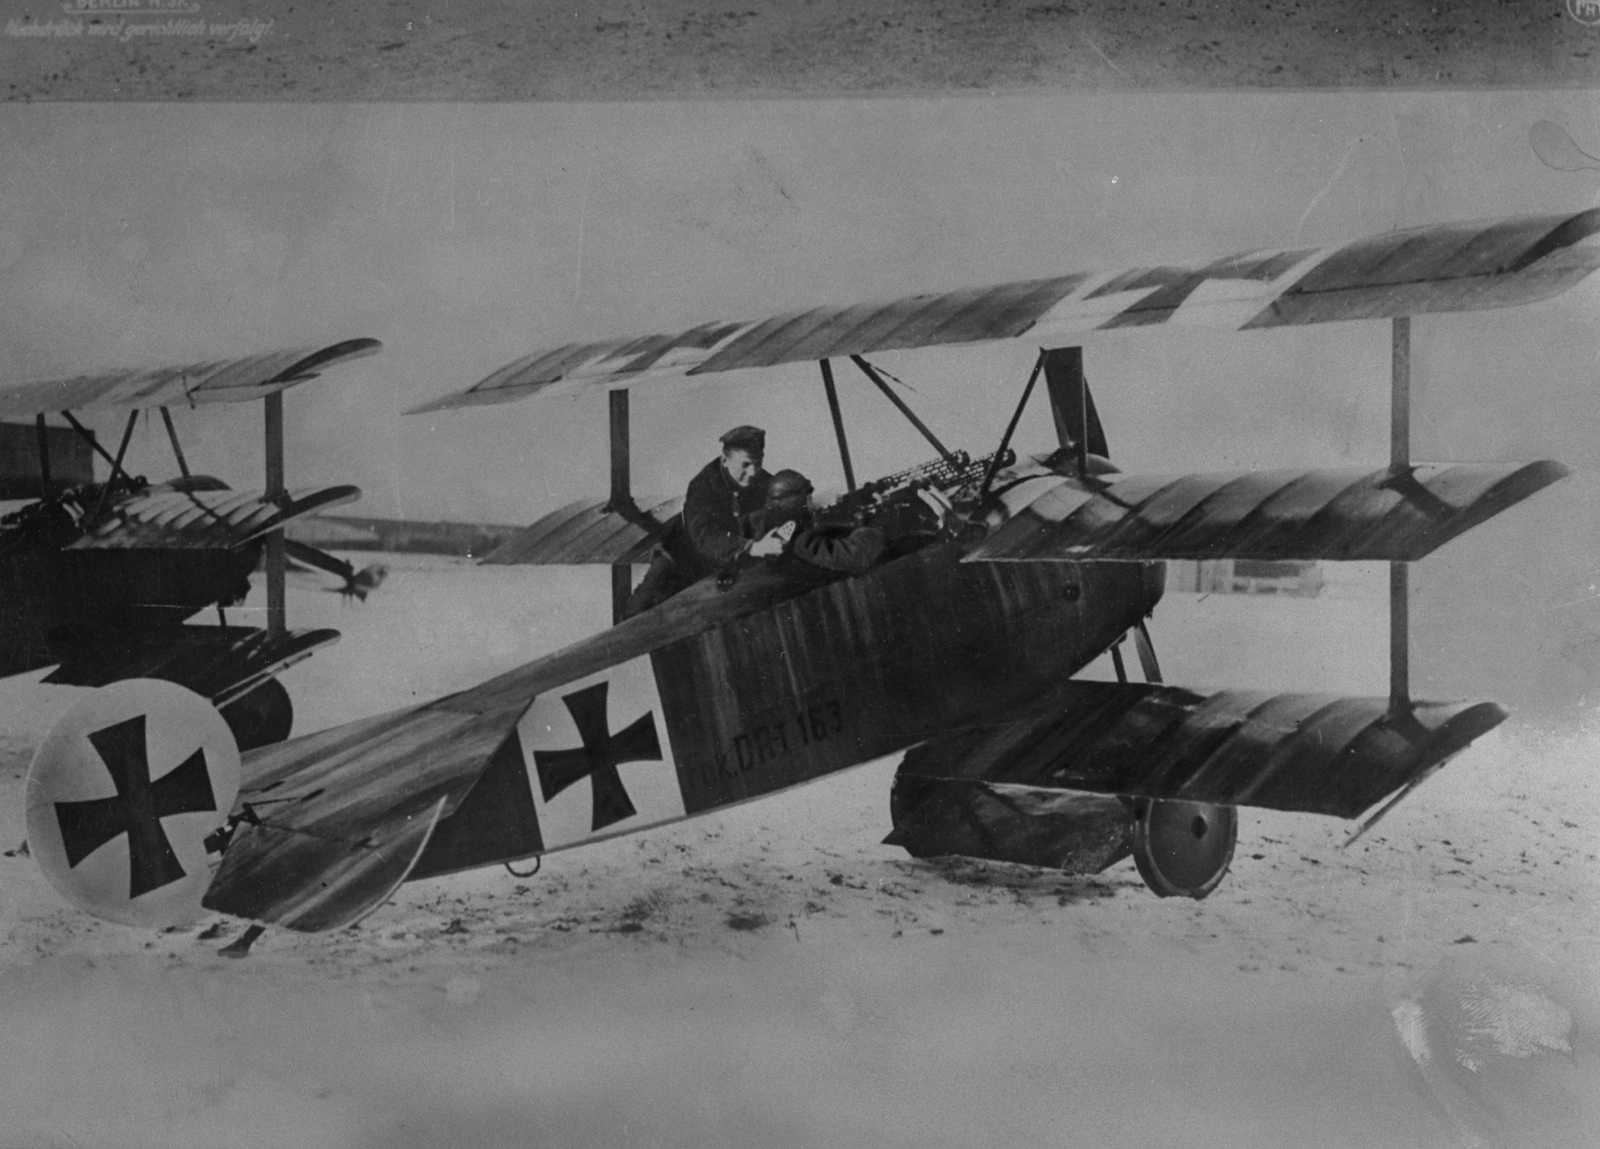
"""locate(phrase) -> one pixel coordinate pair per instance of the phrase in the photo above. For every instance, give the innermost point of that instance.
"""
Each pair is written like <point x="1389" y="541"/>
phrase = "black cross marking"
<point x="598" y="758"/>
<point x="137" y="809"/>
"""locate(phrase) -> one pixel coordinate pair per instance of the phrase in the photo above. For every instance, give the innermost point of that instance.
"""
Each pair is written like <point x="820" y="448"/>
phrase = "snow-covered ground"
<point x="775" y="976"/>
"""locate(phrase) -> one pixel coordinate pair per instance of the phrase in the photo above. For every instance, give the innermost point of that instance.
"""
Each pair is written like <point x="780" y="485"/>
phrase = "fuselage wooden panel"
<point x="719" y="697"/>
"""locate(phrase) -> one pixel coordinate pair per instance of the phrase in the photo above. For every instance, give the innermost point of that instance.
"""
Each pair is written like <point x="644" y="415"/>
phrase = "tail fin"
<point x="1077" y="422"/>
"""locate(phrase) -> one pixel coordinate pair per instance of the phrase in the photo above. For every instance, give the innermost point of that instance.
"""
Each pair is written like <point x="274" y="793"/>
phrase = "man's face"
<point x="742" y="466"/>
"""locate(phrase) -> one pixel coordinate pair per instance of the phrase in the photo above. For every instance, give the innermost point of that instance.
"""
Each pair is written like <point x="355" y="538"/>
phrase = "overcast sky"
<point x="464" y="236"/>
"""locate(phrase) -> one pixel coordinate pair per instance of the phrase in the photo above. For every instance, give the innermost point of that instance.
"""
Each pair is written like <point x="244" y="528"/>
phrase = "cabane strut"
<point x="44" y="455"/>
<point x="838" y="425"/>
<point x="621" y="500"/>
<point x="277" y="566"/>
<point x="1011" y="428"/>
<point x="871" y="373"/>
<point x="1400" y="461"/>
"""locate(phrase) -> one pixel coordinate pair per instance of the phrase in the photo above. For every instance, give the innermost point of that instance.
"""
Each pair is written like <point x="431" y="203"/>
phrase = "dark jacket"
<point x="717" y="514"/>
<point x="821" y="554"/>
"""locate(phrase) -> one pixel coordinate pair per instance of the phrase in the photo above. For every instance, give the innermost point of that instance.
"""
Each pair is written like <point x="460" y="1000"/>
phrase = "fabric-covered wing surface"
<point x="217" y="662"/>
<point x="168" y="519"/>
<point x="342" y="816"/>
<point x="1442" y="267"/>
<point x="1319" y="754"/>
<point x="216" y="381"/>
<point x="587" y="531"/>
<point x="1394" y="514"/>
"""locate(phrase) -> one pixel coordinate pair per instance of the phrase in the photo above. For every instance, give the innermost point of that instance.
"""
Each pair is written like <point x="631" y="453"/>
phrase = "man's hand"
<point x="772" y="543"/>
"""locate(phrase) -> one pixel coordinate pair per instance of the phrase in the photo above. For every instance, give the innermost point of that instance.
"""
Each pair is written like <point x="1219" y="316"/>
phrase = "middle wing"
<point x="587" y="531"/>
<point x="168" y="519"/>
<point x="1395" y="514"/>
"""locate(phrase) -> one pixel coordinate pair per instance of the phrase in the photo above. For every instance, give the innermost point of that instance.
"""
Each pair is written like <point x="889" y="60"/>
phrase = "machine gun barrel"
<point x="959" y="477"/>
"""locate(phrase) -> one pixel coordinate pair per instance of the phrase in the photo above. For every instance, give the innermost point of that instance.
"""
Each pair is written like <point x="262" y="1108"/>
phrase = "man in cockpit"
<point x="804" y="550"/>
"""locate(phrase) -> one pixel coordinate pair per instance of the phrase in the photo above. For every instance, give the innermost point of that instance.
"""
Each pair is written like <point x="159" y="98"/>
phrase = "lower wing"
<point x="1314" y="753"/>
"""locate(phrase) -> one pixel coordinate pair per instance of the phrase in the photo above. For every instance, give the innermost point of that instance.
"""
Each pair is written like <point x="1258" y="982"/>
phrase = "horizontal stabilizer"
<point x="165" y="519"/>
<point x="587" y="531"/>
<point x="334" y="821"/>
<point x="1438" y="267"/>
<point x="1319" y="754"/>
<point x="216" y="381"/>
<point x="216" y="662"/>
<point x="309" y="883"/>
<point x="1397" y="514"/>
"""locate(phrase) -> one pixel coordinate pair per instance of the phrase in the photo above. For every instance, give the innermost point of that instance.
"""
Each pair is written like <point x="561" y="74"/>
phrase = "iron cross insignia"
<point x="137" y="809"/>
<point x="599" y="756"/>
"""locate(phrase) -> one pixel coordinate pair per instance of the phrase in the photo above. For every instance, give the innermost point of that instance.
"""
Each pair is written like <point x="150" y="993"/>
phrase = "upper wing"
<point x="1440" y="267"/>
<point x="217" y="381"/>
<point x="587" y="531"/>
<point x="1394" y="514"/>
<point x="167" y="519"/>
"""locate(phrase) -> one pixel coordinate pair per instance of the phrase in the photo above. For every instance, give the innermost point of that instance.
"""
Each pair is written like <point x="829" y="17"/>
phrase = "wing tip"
<point x="469" y="397"/>
<point x="342" y="352"/>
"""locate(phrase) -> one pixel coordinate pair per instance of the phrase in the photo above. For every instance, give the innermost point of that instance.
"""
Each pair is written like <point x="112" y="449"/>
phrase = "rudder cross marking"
<point x="138" y="807"/>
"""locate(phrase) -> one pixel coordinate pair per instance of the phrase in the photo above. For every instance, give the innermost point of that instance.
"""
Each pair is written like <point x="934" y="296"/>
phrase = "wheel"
<point x="1183" y="849"/>
<point x="262" y="717"/>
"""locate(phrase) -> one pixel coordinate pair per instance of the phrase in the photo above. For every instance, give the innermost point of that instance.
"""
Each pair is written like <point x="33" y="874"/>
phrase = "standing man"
<point x="726" y="498"/>
<point x="720" y="510"/>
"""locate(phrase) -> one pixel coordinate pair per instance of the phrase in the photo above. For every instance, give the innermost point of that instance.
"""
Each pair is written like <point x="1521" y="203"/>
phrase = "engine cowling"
<point x="1183" y="849"/>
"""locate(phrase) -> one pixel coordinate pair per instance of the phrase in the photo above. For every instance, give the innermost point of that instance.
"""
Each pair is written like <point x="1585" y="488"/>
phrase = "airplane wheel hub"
<point x="1183" y="849"/>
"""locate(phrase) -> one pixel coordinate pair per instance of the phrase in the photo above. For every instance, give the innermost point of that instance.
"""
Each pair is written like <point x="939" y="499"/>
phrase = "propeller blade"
<point x="357" y="583"/>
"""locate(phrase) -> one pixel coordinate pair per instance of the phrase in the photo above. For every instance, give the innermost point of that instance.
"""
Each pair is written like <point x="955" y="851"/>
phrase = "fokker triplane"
<point x="99" y="579"/>
<point x="958" y="649"/>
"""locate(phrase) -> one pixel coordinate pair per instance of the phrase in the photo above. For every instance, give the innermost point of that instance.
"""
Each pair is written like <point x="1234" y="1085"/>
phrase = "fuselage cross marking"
<point x="599" y="756"/>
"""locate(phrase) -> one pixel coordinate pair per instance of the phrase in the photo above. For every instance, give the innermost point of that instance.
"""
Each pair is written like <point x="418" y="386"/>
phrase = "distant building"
<point x="71" y="460"/>
<point x="1245" y="576"/>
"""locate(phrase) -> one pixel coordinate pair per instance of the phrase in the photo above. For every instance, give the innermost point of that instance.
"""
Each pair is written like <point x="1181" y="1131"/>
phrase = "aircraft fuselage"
<point x="810" y="684"/>
<point x="55" y="602"/>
